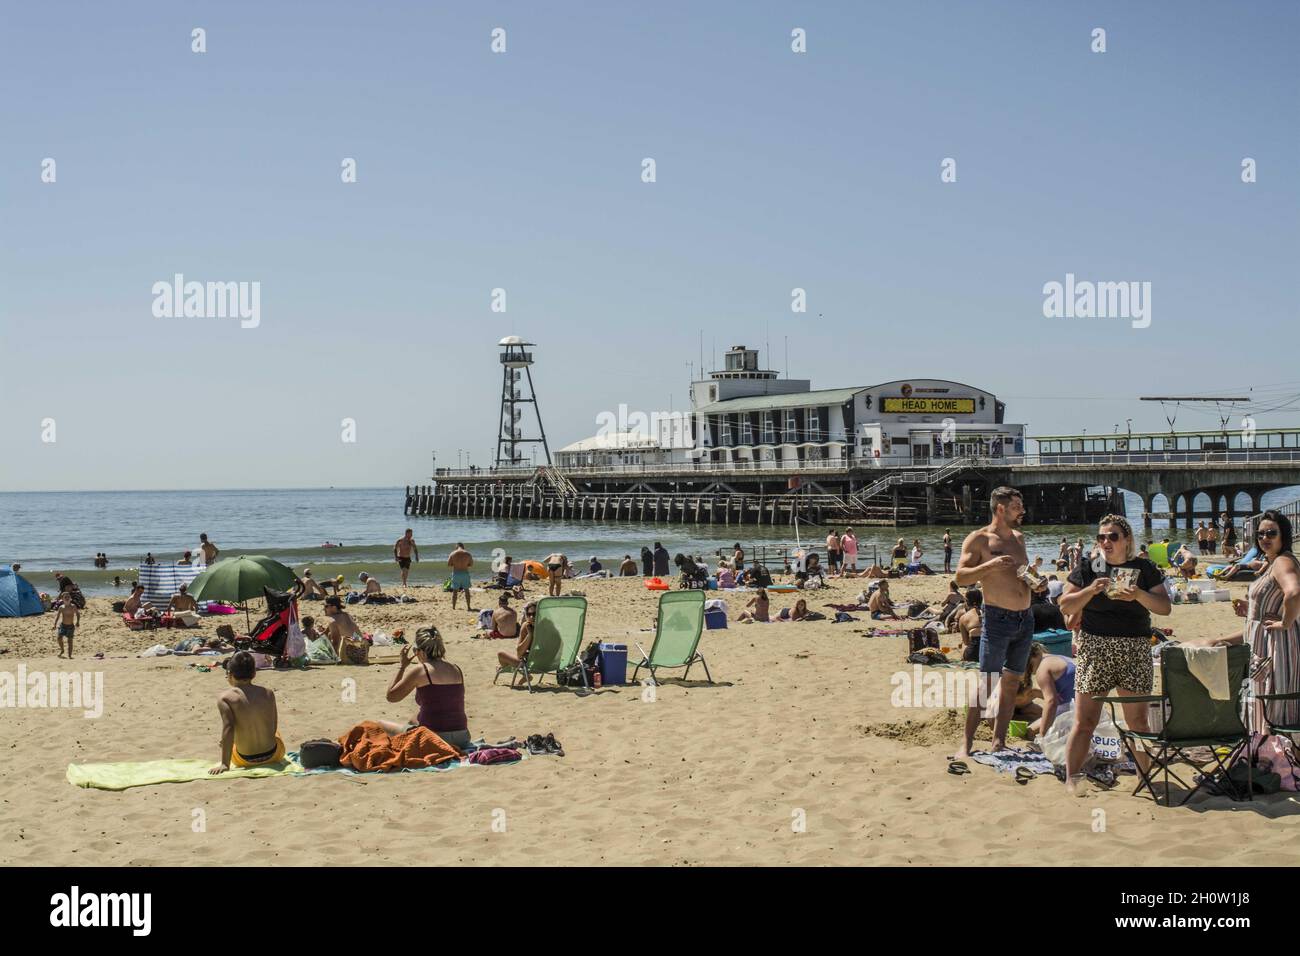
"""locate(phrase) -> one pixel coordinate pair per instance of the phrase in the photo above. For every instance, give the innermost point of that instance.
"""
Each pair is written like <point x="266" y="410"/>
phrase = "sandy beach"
<point x="798" y="729"/>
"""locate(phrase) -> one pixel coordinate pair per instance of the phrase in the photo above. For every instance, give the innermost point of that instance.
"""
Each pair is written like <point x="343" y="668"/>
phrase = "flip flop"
<point x="1024" y="775"/>
<point x="536" y="744"/>
<point x="957" y="767"/>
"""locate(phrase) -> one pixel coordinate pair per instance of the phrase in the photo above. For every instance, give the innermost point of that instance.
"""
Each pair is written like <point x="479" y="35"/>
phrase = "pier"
<point x="1058" y="489"/>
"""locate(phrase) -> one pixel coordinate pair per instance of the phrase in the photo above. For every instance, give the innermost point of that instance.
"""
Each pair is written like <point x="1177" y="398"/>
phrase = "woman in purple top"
<point x="439" y="688"/>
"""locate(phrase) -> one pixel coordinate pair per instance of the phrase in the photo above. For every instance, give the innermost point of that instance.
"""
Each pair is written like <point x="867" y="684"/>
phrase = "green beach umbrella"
<point x="241" y="578"/>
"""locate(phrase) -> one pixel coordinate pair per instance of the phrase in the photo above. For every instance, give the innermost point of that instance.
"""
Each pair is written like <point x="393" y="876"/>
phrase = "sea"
<point x="46" y="532"/>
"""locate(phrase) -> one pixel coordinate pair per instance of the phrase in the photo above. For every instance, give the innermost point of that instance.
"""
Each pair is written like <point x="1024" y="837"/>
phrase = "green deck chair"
<point x="1191" y="719"/>
<point x="681" y="622"/>
<point x="557" y="636"/>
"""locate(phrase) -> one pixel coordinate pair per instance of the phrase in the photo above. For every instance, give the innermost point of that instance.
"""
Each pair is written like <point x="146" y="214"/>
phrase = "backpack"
<point x="319" y="753"/>
<point x="584" y="669"/>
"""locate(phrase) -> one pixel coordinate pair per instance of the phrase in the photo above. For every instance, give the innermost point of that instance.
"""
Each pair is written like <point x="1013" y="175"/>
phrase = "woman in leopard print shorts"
<point x="1115" y="592"/>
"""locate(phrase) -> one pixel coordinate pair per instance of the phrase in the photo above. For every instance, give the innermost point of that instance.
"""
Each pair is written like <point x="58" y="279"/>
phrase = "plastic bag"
<point x="158" y="650"/>
<point x="381" y="639"/>
<point x="1105" y="747"/>
<point x="1052" y="743"/>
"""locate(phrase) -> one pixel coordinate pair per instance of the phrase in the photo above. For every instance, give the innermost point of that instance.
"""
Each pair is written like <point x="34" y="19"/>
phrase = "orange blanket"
<point x="367" y="746"/>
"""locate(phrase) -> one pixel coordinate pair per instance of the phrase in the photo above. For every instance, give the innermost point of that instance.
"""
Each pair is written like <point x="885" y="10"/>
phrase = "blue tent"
<point x="17" y="597"/>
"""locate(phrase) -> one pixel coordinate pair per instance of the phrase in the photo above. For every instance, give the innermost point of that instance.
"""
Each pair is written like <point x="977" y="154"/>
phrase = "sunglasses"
<point x="1109" y="536"/>
<point x="1267" y="533"/>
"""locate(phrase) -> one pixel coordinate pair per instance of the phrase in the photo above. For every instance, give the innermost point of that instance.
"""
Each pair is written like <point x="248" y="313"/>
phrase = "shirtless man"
<point x="556" y="565"/>
<point x="372" y="585"/>
<point x="184" y="608"/>
<point x="209" y="550"/>
<point x="310" y="589"/>
<point x="990" y="556"/>
<point x="132" y="603"/>
<point x="402" y="550"/>
<point x="460" y="561"/>
<point x="249" y="721"/>
<point x="505" y="623"/>
<point x="66" y="619"/>
<point x="341" y="625"/>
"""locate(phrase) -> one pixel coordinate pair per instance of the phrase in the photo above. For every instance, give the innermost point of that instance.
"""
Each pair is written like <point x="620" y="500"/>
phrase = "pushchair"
<point x="271" y="633"/>
<point x="693" y="577"/>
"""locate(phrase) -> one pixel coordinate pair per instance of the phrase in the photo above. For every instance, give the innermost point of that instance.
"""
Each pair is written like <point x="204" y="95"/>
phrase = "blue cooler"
<point x="1055" y="641"/>
<point x="716" y="619"/>
<point x="613" y="664"/>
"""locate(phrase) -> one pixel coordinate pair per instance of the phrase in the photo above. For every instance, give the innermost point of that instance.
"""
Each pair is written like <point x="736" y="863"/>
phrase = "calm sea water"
<point x="45" y="531"/>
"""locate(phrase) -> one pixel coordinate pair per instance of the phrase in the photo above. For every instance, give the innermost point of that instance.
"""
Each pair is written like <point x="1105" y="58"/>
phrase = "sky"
<point x="522" y="170"/>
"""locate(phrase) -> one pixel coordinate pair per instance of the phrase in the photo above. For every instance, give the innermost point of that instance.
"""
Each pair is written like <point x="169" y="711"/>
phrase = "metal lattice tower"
<point x="516" y="368"/>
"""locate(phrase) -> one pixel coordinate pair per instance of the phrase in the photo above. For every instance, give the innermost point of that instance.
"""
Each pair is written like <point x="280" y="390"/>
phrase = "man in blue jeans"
<point x="993" y="557"/>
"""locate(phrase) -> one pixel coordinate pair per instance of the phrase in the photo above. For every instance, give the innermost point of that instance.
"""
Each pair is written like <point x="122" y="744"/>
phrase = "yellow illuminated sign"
<point x="930" y="406"/>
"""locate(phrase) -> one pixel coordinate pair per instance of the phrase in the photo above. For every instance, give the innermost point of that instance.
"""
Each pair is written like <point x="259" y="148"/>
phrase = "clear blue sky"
<point x="522" y="171"/>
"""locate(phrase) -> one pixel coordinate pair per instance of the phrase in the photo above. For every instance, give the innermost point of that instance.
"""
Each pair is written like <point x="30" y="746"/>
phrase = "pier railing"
<point x="928" y="471"/>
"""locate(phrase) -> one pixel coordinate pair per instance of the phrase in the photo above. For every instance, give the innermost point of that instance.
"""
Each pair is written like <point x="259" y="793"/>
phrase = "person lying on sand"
<point x="249" y="720"/>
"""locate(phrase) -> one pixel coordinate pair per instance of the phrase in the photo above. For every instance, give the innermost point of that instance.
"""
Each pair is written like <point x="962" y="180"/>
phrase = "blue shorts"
<point x="1005" y="640"/>
<point x="460" y="580"/>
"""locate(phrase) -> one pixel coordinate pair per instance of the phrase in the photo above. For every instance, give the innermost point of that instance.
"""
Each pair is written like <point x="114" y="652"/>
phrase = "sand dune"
<point x="795" y="756"/>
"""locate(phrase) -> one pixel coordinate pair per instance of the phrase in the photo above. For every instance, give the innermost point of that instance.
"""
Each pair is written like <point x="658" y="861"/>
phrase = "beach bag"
<point x="355" y="651"/>
<point x="319" y="753"/>
<point x="118" y="607"/>
<point x="921" y="638"/>
<point x="485" y="619"/>
<point x="295" y="645"/>
<point x="321" y="651"/>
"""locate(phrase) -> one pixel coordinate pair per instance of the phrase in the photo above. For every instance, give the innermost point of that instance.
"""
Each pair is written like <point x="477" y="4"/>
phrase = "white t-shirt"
<point x="916" y="555"/>
<point x="1054" y="589"/>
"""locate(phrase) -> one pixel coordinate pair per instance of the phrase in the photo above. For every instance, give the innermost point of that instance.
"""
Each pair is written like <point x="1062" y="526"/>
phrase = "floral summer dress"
<point x="1280" y="647"/>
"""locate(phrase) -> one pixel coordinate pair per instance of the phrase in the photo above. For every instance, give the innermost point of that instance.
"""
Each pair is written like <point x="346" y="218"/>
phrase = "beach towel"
<point x="1007" y="761"/>
<point x="123" y="776"/>
<point x="367" y="746"/>
<point x="161" y="581"/>
<point x="493" y="755"/>
<point x="1209" y="665"/>
<point x="846" y="607"/>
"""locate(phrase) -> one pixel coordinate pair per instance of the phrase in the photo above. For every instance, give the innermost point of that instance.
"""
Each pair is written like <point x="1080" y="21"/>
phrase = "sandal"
<point x="1024" y="775"/>
<point x="957" y="767"/>
<point x="553" y="746"/>
<point x="536" y="744"/>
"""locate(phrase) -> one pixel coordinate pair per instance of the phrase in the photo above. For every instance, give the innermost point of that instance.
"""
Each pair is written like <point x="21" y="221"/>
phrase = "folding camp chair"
<point x="677" y="638"/>
<point x="557" y="636"/>
<point x="1191" y="719"/>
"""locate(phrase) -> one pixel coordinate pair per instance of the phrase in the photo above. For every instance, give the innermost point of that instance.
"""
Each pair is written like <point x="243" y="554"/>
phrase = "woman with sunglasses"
<point x="1114" y="593"/>
<point x="507" y="661"/>
<point x="1272" y="630"/>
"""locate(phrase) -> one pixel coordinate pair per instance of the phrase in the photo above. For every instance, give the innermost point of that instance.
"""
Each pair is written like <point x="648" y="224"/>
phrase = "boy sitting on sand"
<point x="249" y="736"/>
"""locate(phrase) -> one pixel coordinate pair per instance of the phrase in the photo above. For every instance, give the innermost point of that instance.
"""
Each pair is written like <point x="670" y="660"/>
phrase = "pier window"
<point x="791" y="426"/>
<point x="769" y="429"/>
<point x="747" y="430"/>
<point x="814" y="425"/>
